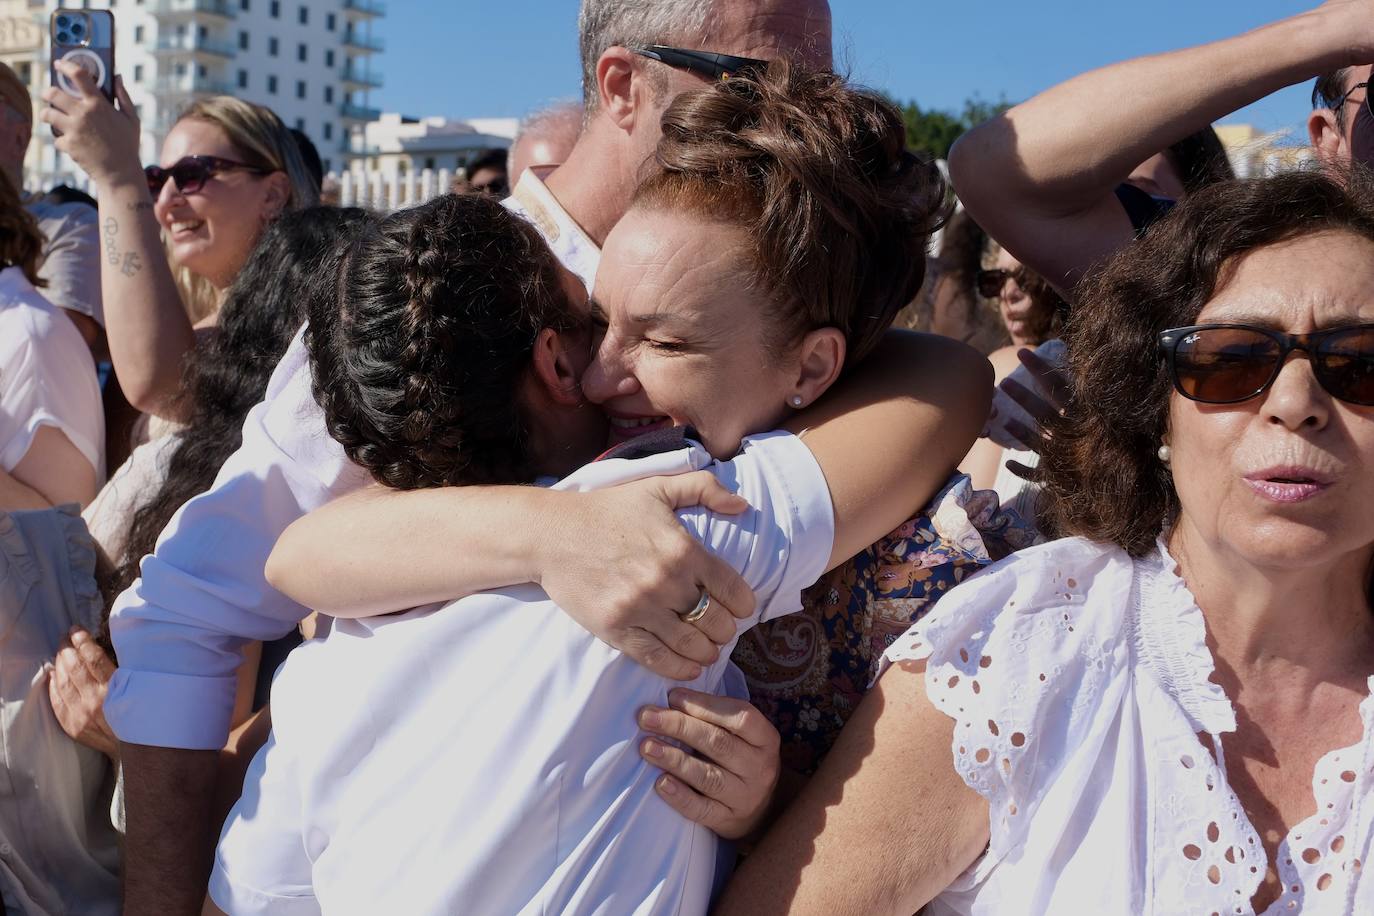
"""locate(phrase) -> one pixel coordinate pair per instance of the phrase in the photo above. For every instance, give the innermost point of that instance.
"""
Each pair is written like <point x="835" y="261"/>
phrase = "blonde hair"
<point x="261" y="139"/>
<point x="21" y="243"/>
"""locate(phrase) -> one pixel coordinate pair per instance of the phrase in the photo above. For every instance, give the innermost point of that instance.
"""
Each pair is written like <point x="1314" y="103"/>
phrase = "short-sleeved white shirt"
<point x="46" y="376"/>
<point x="482" y="756"/>
<point x="1079" y="680"/>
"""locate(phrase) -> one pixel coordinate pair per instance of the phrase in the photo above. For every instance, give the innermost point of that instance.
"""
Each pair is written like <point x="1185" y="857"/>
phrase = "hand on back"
<point x="626" y="570"/>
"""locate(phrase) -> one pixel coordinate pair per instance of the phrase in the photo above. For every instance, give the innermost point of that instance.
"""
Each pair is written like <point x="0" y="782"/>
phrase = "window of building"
<point x="300" y="53"/>
<point x="26" y="73"/>
<point x="138" y="34"/>
<point x="138" y="73"/>
<point x="181" y="30"/>
<point x="300" y="89"/>
<point x="328" y="165"/>
<point x="329" y="95"/>
<point x="328" y="130"/>
<point x="429" y="162"/>
<point x="329" y="22"/>
<point x="274" y="10"/>
<point x="181" y="68"/>
<point x="329" y="58"/>
<point x="305" y="15"/>
<point x="243" y="41"/>
<point x="202" y="33"/>
<point x="201" y="71"/>
<point x="300" y="124"/>
<point x="243" y="5"/>
<point x="272" y="85"/>
<point x="243" y="79"/>
<point x="272" y="47"/>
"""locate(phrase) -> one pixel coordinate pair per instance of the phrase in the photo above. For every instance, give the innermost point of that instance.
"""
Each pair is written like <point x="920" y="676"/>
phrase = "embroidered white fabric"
<point x="1079" y="681"/>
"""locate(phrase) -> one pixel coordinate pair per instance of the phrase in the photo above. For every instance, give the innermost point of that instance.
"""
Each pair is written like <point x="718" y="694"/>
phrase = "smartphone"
<point x="84" y="37"/>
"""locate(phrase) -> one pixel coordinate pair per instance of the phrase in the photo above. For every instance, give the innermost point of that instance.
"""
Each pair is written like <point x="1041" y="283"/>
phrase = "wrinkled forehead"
<point x="1281" y="286"/>
<point x="771" y="29"/>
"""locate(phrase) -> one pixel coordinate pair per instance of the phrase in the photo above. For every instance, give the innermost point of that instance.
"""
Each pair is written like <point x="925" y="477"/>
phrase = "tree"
<point x="933" y="132"/>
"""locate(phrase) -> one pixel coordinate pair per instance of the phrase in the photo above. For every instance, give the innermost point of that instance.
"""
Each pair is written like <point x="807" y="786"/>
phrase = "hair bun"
<point x="818" y="174"/>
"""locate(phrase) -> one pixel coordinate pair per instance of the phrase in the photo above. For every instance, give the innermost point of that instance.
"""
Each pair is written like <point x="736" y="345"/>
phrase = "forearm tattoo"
<point x="129" y="263"/>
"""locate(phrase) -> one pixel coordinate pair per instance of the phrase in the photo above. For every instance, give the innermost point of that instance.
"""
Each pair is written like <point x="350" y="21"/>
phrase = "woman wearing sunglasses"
<point x="227" y="168"/>
<point x="1167" y="711"/>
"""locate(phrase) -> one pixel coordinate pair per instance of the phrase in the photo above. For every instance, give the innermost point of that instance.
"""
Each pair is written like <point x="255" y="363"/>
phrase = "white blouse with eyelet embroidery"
<point x="1079" y="681"/>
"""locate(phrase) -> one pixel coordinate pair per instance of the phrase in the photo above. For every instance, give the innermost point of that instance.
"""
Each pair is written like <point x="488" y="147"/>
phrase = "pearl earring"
<point x="797" y="401"/>
<point x="1165" y="453"/>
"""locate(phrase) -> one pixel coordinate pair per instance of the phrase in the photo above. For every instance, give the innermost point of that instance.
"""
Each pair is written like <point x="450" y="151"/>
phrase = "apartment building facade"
<point x="310" y="61"/>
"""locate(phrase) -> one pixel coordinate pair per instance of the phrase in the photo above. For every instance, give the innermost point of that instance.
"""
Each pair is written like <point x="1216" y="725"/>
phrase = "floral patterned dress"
<point x="808" y="671"/>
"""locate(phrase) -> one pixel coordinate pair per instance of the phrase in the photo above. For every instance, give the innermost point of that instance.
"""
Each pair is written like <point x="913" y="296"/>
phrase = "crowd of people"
<point x="600" y="537"/>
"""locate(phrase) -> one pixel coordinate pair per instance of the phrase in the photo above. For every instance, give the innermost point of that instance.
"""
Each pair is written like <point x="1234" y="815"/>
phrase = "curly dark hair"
<point x="418" y="357"/>
<point x="227" y="373"/>
<point x="1102" y="477"/>
<point x="818" y="175"/>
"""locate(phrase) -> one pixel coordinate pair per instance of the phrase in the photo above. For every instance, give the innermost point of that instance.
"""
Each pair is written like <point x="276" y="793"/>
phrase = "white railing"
<point x="385" y="192"/>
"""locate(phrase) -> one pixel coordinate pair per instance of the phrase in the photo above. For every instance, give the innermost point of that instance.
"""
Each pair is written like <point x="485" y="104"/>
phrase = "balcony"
<point x="189" y="9"/>
<point x="350" y="112"/>
<point x="355" y="78"/>
<point x="192" y="46"/>
<point x="364" y="8"/>
<point x="190" y="85"/>
<point x="365" y="44"/>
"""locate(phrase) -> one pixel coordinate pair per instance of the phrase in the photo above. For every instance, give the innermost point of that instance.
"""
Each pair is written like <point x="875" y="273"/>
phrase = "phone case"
<point x="85" y="37"/>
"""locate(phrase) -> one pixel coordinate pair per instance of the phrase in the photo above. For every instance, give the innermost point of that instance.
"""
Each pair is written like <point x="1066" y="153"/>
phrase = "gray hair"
<point x="549" y="120"/>
<point x="604" y="24"/>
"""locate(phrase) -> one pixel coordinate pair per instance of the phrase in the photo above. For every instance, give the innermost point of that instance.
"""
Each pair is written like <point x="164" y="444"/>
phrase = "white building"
<point x="397" y="146"/>
<point x="307" y="60"/>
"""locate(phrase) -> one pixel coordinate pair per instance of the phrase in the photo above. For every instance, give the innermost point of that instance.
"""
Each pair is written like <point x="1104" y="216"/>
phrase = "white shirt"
<point x="71" y="254"/>
<point x="178" y="630"/>
<point x="46" y="376"/>
<point x="1079" y="681"/>
<point x="482" y="757"/>
<point x="131" y="485"/>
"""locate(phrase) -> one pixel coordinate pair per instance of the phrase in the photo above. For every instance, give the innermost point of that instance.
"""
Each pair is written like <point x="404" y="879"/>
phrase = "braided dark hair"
<point x="227" y="374"/>
<point x="418" y="359"/>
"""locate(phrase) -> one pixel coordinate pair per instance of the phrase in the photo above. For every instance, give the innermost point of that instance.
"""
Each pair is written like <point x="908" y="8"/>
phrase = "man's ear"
<point x="821" y="357"/>
<point x="1328" y="140"/>
<point x="616" y="73"/>
<point x="556" y="369"/>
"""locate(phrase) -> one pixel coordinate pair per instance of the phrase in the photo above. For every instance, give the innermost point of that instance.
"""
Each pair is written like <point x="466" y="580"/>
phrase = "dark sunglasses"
<point x="1230" y="363"/>
<point x="1345" y="97"/>
<point x="709" y="64"/>
<point x="190" y="173"/>
<point x="990" y="282"/>
<point x="498" y="187"/>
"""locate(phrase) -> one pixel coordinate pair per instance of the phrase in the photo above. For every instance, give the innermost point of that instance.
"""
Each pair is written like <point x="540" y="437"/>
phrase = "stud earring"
<point x="797" y="401"/>
<point x="1165" y="453"/>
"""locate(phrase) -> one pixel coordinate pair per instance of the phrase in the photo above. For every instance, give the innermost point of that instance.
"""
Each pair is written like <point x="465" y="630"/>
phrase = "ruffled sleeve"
<point x="1030" y="659"/>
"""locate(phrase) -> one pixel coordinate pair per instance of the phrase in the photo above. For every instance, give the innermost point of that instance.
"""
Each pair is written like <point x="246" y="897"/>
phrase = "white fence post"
<point x="377" y="191"/>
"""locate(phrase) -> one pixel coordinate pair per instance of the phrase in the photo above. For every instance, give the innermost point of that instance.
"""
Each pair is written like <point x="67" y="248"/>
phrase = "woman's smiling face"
<point x="687" y="333"/>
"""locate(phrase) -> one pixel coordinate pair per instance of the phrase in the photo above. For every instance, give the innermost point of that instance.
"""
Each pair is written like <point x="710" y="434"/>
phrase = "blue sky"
<point x="482" y="59"/>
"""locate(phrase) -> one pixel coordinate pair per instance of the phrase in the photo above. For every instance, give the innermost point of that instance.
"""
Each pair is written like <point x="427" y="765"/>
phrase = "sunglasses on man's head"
<point x="991" y="281"/>
<point x="1230" y="363"/>
<point x="709" y="64"/>
<point x="190" y="173"/>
